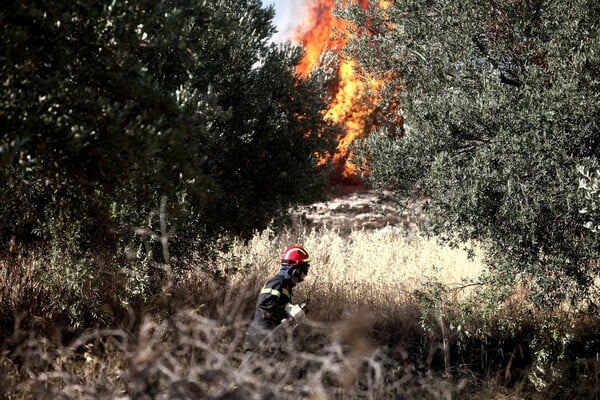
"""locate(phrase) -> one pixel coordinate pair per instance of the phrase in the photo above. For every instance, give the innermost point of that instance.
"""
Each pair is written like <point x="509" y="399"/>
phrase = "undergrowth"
<point x="389" y="316"/>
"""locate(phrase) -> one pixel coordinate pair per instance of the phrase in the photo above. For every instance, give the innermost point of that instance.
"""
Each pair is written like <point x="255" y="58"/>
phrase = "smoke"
<point x="289" y="15"/>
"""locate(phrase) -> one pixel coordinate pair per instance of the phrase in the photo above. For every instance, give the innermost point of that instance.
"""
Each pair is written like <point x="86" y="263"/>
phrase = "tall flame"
<point x="317" y="36"/>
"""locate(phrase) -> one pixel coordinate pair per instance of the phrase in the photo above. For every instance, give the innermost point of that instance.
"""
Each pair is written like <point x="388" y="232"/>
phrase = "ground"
<point x="358" y="208"/>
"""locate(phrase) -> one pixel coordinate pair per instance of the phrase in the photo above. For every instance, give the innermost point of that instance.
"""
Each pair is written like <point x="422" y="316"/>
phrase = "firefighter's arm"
<point x="271" y="301"/>
<point x="268" y="298"/>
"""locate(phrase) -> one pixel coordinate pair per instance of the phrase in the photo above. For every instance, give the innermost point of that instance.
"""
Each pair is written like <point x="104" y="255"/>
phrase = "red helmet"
<point x="294" y="256"/>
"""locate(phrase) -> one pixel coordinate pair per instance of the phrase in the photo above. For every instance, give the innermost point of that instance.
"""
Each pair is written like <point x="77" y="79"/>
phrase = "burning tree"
<point x="354" y="100"/>
<point x="501" y="107"/>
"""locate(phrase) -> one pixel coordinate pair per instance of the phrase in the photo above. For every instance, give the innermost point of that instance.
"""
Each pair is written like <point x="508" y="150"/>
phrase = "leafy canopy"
<point x="140" y="120"/>
<point x="108" y="106"/>
<point x="501" y="105"/>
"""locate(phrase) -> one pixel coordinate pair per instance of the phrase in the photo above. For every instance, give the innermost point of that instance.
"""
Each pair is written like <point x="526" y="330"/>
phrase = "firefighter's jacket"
<point x="272" y="299"/>
<point x="270" y="306"/>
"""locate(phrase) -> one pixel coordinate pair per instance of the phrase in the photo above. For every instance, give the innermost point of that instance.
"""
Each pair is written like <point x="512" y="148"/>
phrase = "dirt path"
<point x="359" y="209"/>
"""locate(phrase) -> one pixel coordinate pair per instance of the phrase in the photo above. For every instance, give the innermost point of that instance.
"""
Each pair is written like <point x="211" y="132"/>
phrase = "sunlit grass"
<point x="366" y="267"/>
<point x="363" y="338"/>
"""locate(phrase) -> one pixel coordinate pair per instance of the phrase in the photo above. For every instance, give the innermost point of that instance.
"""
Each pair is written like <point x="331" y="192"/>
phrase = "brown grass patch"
<point x="365" y="336"/>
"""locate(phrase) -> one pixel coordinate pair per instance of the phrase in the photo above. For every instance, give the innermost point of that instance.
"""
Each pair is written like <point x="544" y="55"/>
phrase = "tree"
<point x="500" y="103"/>
<point x="108" y="107"/>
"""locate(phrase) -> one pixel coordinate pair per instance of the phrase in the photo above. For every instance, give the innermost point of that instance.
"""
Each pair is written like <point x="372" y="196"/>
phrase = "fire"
<point x="317" y="36"/>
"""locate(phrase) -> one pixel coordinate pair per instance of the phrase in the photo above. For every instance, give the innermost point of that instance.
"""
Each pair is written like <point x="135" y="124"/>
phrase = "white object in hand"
<point x="295" y="311"/>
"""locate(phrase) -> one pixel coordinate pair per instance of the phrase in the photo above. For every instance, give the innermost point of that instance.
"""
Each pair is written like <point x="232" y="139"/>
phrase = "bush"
<point x="499" y="106"/>
<point x="107" y="109"/>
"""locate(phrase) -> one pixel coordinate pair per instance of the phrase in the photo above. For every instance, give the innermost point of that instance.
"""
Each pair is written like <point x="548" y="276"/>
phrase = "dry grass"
<point x="19" y="289"/>
<point x="362" y="338"/>
<point x="195" y="357"/>
<point x="385" y="261"/>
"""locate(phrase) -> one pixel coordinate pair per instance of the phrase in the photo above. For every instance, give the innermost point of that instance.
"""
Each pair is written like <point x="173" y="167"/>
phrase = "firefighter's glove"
<point x="295" y="311"/>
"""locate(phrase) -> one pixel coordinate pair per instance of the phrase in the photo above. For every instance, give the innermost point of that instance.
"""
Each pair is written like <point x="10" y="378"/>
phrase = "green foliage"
<point x="107" y="107"/>
<point x="589" y="182"/>
<point x="500" y="104"/>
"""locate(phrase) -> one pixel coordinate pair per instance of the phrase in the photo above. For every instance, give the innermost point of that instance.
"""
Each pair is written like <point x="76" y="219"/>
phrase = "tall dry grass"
<point x="384" y="261"/>
<point x="364" y="337"/>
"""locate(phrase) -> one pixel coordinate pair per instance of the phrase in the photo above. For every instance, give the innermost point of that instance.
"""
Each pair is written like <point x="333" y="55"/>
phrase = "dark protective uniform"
<point x="270" y="308"/>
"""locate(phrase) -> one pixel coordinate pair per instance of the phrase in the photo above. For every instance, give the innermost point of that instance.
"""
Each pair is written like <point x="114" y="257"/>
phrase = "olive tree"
<point x="500" y="105"/>
<point x="116" y="115"/>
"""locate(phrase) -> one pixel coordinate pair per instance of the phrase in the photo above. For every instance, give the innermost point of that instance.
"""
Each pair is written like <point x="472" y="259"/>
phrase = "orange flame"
<point x="317" y="37"/>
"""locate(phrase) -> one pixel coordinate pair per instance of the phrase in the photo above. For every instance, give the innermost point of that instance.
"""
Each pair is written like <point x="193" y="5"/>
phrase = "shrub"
<point x="499" y="106"/>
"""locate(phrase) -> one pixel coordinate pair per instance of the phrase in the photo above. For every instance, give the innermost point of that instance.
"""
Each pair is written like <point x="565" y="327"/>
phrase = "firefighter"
<point x="275" y="303"/>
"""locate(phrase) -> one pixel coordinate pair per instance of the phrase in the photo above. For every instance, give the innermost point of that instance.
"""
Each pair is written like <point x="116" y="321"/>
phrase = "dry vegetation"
<point x="383" y="317"/>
